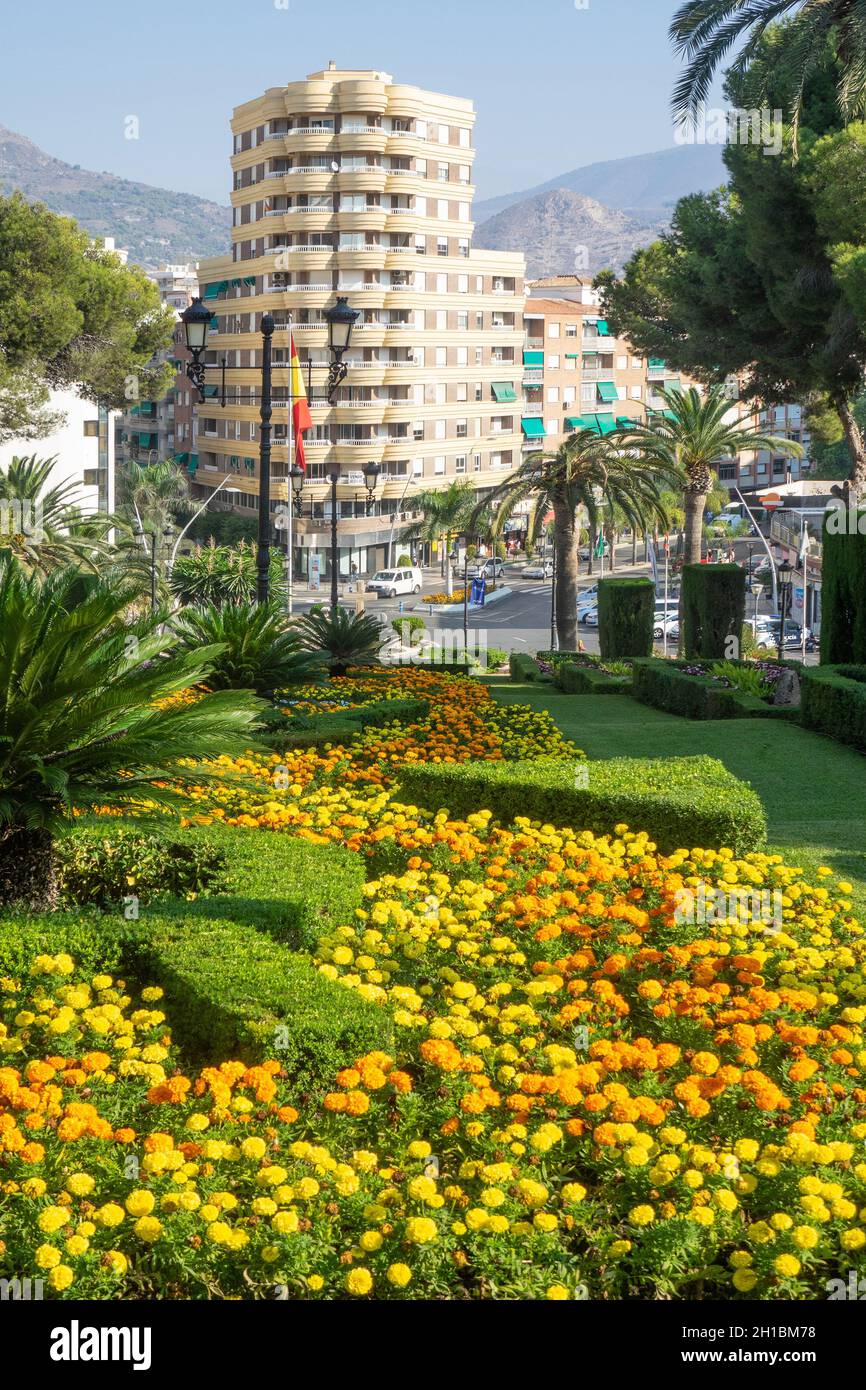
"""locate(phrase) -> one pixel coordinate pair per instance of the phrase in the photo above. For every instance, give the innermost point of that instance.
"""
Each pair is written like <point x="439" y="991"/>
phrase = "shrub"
<point x="404" y="562"/>
<point x="408" y="627"/>
<point x="625" y="617"/>
<point x="714" y="607"/>
<point x="224" y="575"/>
<point x="833" y="702"/>
<point x="259" y="653"/>
<point x="523" y="667"/>
<point x="587" y="679"/>
<point x="678" y="801"/>
<point x="348" y="639"/>
<point x="496" y="656"/>
<point x="746" y="679"/>
<point x="669" y="686"/>
<point x="843" y="594"/>
<point x="103" y="864"/>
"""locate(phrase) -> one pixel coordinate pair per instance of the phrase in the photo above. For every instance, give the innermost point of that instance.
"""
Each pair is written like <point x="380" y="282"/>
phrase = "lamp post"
<point x="756" y="592"/>
<point x="785" y="577"/>
<point x="341" y="320"/>
<point x="371" y="478"/>
<point x="157" y="539"/>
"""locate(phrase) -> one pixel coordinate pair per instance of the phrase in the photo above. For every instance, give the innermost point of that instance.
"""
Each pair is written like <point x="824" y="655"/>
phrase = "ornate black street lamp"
<point x="158" y="538"/>
<point x="786" y="574"/>
<point x="341" y="320"/>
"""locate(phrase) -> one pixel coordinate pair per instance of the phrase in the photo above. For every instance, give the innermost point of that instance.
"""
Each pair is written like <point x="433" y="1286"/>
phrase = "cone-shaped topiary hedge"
<point x="626" y="608"/>
<point x="843" y="596"/>
<point x="714" y="609"/>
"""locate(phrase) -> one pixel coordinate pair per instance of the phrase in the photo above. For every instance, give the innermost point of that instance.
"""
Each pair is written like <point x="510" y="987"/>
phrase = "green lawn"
<point x="813" y="789"/>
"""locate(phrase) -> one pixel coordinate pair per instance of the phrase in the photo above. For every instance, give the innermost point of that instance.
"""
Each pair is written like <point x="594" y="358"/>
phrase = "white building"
<point x="83" y="447"/>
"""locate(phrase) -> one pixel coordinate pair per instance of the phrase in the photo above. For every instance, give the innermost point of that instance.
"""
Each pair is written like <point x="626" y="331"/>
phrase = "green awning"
<point x="577" y="422"/>
<point x="657" y="364"/>
<point x="214" y="325"/>
<point x="217" y="288"/>
<point x="144" y="440"/>
<point x="607" y="391"/>
<point x="605" y="424"/>
<point x="249" y="279"/>
<point x="235" y="460"/>
<point x="626" y="422"/>
<point x="533" y="359"/>
<point x="504" y="391"/>
<point x="136" y="410"/>
<point x="182" y="458"/>
<point x="570" y="355"/>
<point x="666" y="414"/>
<point x="211" y="392"/>
<point x="603" y="328"/>
<point x="533" y="428"/>
<point x="672" y="386"/>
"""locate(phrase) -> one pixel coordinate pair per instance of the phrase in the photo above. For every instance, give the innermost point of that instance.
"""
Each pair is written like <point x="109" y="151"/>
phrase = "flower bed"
<point x="583" y="1092"/>
<point x="701" y="690"/>
<point x="582" y="674"/>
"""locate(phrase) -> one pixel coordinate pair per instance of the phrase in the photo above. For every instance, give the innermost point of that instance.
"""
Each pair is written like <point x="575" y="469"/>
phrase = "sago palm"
<point x="40" y="523"/>
<point x="344" y="639"/>
<point x="696" y="432"/>
<point x="259" y="652"/>
<point x="704" y="31"/>
<point x="584" y="473"/>
<point x="82" y="723"/>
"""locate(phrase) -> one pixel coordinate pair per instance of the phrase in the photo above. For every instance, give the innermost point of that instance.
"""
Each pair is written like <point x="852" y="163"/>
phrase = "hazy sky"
<point x="556" y="83"/>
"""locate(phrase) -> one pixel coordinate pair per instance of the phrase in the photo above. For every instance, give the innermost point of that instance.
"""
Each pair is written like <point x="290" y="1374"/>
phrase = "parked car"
<point x="390" y="583"/>
<point x="768" y="635"/>
<point x="584" y="551"/>
<point x="590" y="618"/>
<point x="485" y="569"/>
<point x="542" y="570"/>
<point x="667" y="623"/>
<point x="585" y="606"/>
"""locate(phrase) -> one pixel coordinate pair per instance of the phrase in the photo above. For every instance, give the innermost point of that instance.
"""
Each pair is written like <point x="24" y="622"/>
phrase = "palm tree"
<point x="584" y="473"/>
<point x="83" y="722"/>
<point x="41" y="525"/>
<point x="446" y="514"/>
<point x="704" y="31"/>
<point x="686" y="441"/>
<point x="153" y="493"/>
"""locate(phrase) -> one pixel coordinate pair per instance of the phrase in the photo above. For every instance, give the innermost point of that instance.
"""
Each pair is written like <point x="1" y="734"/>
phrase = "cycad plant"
<point x="222" y="575"/>
<point x="259" y="652"/>
<point x="82" y="718"/>
<point x="345" y="639"/>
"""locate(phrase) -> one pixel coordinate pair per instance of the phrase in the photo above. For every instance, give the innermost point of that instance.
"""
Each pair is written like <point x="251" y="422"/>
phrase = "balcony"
<point x="534" y="343"/>
<point x="533" y="378"/>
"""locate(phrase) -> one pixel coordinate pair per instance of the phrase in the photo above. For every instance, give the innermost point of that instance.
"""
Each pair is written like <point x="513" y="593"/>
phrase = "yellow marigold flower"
<point x="558" y="1293"/>
<point x="47" y="1256"/>
<point x="359" y="1281"/>
<point x="853" y="1240"/>
<point x="77" y="1245"/>
<point x="79" y="1184"/>
<point x="52" y="1218"/>
<point x="419" y="1148"/>
<point x="805" y="1237"/>
<point x="60" y="1277"/>
<point x="148" y="1228"/>
<point x="116" y="1261"/>
<point x="420" y="1230"/>
<point x="642" y="1215"/>
<point x="370" y="1240"/>
<point x="399" y="1274"/>
<point x="285" y="1222"/>
<point x="140" y="1203"/>
<point x="786" y="1265"/>
<point x="315" y="1282"/>
<point x="254" y="1148"/>
<point x="740" y="1259"/>
<point x="573" y="1192"/>
<point x="744" y="1280"/>
<point x="545" y="1221"/>
<point x="111" y="1214"/>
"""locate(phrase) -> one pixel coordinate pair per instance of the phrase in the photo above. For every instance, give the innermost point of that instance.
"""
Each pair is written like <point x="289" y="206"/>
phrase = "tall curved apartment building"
<point x="349" y="183"/>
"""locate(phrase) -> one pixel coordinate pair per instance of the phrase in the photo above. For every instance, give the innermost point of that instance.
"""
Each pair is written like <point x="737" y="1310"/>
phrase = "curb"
<point x="458" y="607"/>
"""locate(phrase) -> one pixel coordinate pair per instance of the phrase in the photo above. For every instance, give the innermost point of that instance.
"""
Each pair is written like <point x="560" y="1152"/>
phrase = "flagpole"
<point x="804" y="556"/>
<point x="289" y="489"/>
<point x="665" y="619"/>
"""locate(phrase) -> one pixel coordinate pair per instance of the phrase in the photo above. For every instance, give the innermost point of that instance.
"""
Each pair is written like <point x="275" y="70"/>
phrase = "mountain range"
<point x="156" y="226"/>
<point x="586" y="219"/>
<point x="596" y="217"/>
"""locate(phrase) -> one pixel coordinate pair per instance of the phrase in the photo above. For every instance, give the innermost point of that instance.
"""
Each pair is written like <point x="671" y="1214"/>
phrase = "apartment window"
<point x="553" y="362"/>
<point x="442" y="245"/>
<point x="418" y="467"/>
<point x="420" y="244"/>
<point x="568" y="395"/>
<point x="571" y="330"/>
<point x="587" y="392"/>
<point x="636" y="364"/>
<point x="418" y="430"/>
<point x="637" y="393"/>
<point x="460" y="463"/>
<point x="421" y="167"/>
<point x="477" y="463"/>
<point x="552" y="395"/>
<point x="622" y="364"/>
<point x="463" y="357"/>
<point x="463" y="212"/>
<point x="553" y="330"/>
<point x="465" y="138"/>
<point x="479" y="284"/>
<point x="444" y="135"/>
<point x="462" y="284"/>
<point x="465" y="173"/>
<point x="350" y="202"/>
<point x="479" y="391"/>
<point x="442" y="209"/>
<point x="421" y="207"/>
<point x="462" y="320"/>
<point x="444" y="173"/>
<point x="462" y="391"/>
<point x="441" y="284"/>
<point x="479" y="319"/>
<point x="439" y="465"/>
<point x="442" y="320"/>
<point x="463" y="245"/>
<point x="479" y="356"/>
<point x="571" y="364"/>
<point x="440" y="429"/>
<point x="91" y="429"/>
<point x="441" y="357"/>
<point x="462" y="429"/>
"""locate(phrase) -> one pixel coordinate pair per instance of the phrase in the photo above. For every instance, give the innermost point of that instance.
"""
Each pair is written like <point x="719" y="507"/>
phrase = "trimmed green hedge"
<point x="680" y="802"/>
<point x="522" y="667"/>
<point x="342" y="726"/>
<point x="234" y="966"/>
<point x="834" y="702"/>
<point x="583" y="680"/>
<point x="666" y="686"/>
<point x="714" y="609"/>
<point x="625" y="617"/>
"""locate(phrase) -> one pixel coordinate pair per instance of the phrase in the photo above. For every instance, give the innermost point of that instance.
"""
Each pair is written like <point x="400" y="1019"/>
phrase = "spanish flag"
<point x="303" y="420"/>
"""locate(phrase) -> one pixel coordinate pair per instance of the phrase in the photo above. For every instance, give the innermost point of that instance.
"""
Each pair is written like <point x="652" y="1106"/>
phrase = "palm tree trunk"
<point x="28" y="876"/>
<point x="449" y="581"/>
<point x="695" y="502"/>
<point x="565" y="539"/>
<point x="854" y="440"/>
<point x="634" y="548"/>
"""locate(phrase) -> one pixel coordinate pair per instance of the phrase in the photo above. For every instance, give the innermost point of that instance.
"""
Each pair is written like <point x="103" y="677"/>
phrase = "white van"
<point x="390" y="583"/>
